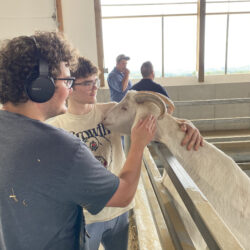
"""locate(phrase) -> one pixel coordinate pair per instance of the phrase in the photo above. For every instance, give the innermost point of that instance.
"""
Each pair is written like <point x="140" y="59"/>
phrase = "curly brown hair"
<point x="84" y="68"/>
<point x="19" y="57"/>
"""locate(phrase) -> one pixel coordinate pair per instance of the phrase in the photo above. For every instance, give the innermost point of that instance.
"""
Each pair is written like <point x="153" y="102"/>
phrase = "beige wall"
<point x="23" y="17"/>
<point x="79" y="26"/>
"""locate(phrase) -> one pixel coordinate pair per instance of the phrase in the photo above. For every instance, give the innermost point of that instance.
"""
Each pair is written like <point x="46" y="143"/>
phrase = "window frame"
<point x="201" y="15"/>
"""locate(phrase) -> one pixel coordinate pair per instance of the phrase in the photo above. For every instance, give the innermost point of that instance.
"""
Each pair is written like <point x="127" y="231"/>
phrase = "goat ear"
<point x="148" y="97"/>
<point x="164" y="98"/>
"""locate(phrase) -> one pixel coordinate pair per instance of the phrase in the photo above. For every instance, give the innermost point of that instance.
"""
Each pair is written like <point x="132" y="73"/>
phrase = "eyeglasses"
<point x="68" y="81"/>
<point x="89" y="84"/>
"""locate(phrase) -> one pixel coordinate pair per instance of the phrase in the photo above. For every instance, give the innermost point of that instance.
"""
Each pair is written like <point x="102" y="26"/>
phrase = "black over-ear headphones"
<point x="40" y="88"/>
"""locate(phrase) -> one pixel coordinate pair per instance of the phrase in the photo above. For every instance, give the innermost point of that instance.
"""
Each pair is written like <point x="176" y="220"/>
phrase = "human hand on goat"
<point x="193" y="138"/>
<point x="143" y="132"/>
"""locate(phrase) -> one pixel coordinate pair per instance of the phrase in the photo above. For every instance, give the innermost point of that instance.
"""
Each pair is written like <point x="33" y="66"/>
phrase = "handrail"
<point x="212" y="102"/>
<point x="145" y="221"/>
<point x="197" y="205"/>
<point x="165" y="205"/>
<point x="165" y="237"/>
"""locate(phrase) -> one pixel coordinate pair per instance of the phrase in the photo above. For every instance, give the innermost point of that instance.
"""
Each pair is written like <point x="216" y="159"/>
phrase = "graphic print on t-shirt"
<point x="98" y="141"/>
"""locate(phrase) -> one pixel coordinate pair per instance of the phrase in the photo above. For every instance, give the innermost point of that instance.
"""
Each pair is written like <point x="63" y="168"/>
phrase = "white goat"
<point x="220" y="179"/>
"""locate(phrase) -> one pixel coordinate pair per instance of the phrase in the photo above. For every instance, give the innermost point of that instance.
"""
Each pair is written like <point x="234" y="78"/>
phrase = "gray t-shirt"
<point x="46" y="176"/>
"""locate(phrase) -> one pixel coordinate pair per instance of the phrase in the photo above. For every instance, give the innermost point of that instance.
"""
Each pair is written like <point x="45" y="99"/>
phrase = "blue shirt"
<point x="115" y="85"/>
<point x="149" y="85"/>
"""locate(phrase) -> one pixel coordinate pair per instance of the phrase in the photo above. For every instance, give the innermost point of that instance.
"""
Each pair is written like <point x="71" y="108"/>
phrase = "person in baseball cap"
<point x="122" y="57"/>
<point x="118" y="79"/>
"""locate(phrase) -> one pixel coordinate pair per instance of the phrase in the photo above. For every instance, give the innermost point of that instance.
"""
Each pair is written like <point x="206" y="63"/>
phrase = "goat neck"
<point x="168" y="131"/>
<point x="219" y="178"/>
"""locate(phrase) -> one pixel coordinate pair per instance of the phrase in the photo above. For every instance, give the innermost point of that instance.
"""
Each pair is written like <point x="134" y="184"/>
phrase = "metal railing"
<point x="203" y="214"/>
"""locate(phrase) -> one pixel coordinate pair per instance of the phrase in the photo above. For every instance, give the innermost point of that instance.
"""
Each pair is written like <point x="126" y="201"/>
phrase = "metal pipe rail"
<point x="212" y="102"/>
<point x="209" y="115"/>
<point x="203" y="214"/>
<point x="163" y="202"/>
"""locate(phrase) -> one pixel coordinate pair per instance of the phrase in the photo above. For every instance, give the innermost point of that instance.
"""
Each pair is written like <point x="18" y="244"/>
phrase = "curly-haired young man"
<point x="46" y="174"/>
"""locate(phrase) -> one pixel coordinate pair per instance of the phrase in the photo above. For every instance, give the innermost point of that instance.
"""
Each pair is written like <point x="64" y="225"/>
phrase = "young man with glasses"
<point x="67" y="81"/>
<point x="48" y="175"/>
<point x="84" y="119"/>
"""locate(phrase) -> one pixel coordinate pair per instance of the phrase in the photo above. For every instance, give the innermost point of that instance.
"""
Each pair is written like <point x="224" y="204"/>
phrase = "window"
<point x="139" y="38"/>
<point x="148" y="8"/>
<point x="227" y="48"/>
<point x="146" y="31"/>
<point x="165" y="33"/>
<point x="215" y="44"/>
<point x="180" y="46"/>
<point x="239" y="44"/>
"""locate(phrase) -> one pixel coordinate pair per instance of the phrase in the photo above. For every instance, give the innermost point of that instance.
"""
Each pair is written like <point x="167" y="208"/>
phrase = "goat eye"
<point x="124" y="108"/>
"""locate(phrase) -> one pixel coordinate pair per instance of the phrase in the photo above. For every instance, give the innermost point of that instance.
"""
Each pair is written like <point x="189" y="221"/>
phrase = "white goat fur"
<point x="220" y="179"/>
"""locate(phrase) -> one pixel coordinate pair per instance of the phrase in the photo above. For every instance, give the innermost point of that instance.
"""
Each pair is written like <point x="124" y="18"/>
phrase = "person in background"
<point x="118" y="79"/>
<point x="147" y="82"/>
<point x="47" y="175"/>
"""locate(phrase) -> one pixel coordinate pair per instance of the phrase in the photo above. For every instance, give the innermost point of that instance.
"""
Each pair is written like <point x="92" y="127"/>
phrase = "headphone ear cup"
<point x="41" y="89"/>
<point x="39" y="86"/>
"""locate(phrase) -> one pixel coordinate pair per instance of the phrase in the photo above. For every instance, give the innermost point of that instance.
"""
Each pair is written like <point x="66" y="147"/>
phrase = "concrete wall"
<point x="79" y="26"/>
<point x="188" y="88"/>
<point x="206" y="117"/>
<point x="23" y="17"/>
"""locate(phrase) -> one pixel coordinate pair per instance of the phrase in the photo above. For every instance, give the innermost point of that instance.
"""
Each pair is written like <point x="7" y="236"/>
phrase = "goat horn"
<point x="164" y="98"/>
<point x="142" y="96"/>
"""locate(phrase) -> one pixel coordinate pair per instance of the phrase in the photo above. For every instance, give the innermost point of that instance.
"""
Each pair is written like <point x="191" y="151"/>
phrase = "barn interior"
<point x="200" y="52"/>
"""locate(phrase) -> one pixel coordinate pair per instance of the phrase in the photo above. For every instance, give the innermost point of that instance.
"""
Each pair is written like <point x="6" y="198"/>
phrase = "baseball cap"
<point x="122" y="57"/>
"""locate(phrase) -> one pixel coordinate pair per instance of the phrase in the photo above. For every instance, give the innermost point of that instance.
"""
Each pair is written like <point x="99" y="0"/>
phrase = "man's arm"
<point x="193" y="138"/>
<point x="141" y="135"/>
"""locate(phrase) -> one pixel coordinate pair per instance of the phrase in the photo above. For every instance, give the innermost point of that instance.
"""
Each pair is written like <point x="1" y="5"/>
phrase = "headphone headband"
<point x="43" y="65"/>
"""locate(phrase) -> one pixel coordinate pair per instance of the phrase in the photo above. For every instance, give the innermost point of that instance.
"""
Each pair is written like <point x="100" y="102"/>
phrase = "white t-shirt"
<point x="105" y="145"/>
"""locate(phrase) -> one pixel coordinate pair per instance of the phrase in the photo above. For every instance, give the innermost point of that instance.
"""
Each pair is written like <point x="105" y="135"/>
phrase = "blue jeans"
<point x="113" y="234"/>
